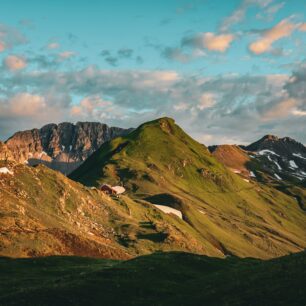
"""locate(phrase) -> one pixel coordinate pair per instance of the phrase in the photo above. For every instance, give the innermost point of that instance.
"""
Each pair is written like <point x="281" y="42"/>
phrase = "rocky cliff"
<point x="61" y="146"/>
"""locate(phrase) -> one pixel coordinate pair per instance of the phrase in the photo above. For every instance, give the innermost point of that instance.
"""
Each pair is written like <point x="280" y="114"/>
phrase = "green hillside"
<point x="42" y="213"/>
<point x="159" y="163"/>
<point x="157" y="279"/>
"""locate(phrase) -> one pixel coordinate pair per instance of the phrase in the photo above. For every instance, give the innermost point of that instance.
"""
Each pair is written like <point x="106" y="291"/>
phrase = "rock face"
<point x="5" y="153"/>
<point x="61" y="147"/>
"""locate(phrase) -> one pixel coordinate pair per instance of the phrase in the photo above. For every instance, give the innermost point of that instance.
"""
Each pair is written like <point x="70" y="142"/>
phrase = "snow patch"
<point x="277" y="164"/>
<point x="63" y="148"/>
<point x="298" y="155"/>
<point x="252" y="174"/>
<point x="70" y="147"/>
<point x="277" y="176"/>
<point x="293" y="164"/>
<point x="118" y="189"/>
<point x="5" y="170"/>
<point x="267" y="152"/>
<point x="169" y="210"/>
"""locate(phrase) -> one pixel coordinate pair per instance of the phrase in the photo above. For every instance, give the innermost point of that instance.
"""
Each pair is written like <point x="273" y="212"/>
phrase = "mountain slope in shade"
<point x="62" y="147"/>
<point x="157" y="279"/>
<point x="45" y="213"/>
<point x="285" y="146"/>
<point x="160" y="164"/>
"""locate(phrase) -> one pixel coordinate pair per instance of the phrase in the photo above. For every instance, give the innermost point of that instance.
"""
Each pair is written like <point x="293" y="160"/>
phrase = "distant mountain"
<point x="159" y="164"/>
<point x="61" y="147"/>
<point x="286" y="147"/>
<point x="270" y="160"/>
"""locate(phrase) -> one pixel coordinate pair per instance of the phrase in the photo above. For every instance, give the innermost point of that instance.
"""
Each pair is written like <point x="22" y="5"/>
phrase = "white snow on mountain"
<point x="277" y="176"/>
<point x="298" y="155"/>
<point x="293" y="164"/>
<point x="5" y="170"/>
<point x="277" y="164"/>
<point x="267" y="152"/>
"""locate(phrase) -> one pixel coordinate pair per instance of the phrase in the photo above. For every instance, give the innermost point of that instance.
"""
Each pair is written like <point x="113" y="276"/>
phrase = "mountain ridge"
<point x="160" y="164"/>
<point x="62" y="146"/>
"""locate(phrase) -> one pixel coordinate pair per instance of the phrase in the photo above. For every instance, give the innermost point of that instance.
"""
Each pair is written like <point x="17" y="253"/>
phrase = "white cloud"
<point x="218" y="106"/>
<point x="268" y="37"/>
<point x="297" y="112"/>
<point x="2" y="46"/>
<point x="24" y="105"/>
<point x="53" y="45"/>
<point x="239" y="14"/>
<point x="66" y="55"/>
<point x="302" y="27"/>
<point x="14" y="62"/>
<point x="218" y="43"/>
<point x="10" y="37"/>
<point x="207" y="100"/>
<point x="209" y="41"/>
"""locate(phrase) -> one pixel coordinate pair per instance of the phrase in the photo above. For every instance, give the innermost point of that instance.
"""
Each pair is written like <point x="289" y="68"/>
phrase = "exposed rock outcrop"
<point x="61" y="147"/>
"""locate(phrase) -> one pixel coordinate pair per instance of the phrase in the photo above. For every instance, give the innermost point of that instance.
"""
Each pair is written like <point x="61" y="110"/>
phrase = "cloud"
<point x="125" y="53"/>
<point x="269" y="12"/>
<point x="281" y="109"/>
<point x="229" y="107"/>
<point x="299" y="113"/>
<point x="111" y="60"/>
<point x="23" y="105"/>
<point x="66" y="55"/>
<point x="302" y="27"/>
<point x="207" y="100"/>
<point x="53" y="45"/>
<point x="2" y="46"/>
<point x="94" y="107"/>
<point x="264" y="44"/>
<point x="239" y="14"/>
<point x="209" y="41"/>
<point x="218" y="43"/>
<point x="14" y="62"/>
<point x="10" y="37"/>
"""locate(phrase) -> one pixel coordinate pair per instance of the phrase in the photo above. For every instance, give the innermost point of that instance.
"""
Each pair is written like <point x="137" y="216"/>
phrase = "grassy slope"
<point x="158" y="159"/>
<point x="44" y="213"/>
<point x="157" y="279"/>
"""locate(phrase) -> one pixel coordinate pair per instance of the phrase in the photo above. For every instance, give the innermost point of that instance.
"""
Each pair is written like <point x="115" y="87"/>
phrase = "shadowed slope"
<point x="157" y="279"/>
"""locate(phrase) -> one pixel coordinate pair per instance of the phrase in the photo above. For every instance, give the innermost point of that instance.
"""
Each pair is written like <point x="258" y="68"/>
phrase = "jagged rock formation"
<point x="5" y="153"/>
<point x="61" y="147"/>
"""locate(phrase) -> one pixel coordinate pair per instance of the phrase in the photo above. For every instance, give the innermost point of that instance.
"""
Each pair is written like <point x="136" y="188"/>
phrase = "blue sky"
<point x="212" y="65"/>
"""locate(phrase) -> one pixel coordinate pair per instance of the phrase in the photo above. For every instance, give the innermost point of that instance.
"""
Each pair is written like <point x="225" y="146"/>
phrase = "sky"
<point x="226" y="71"/>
